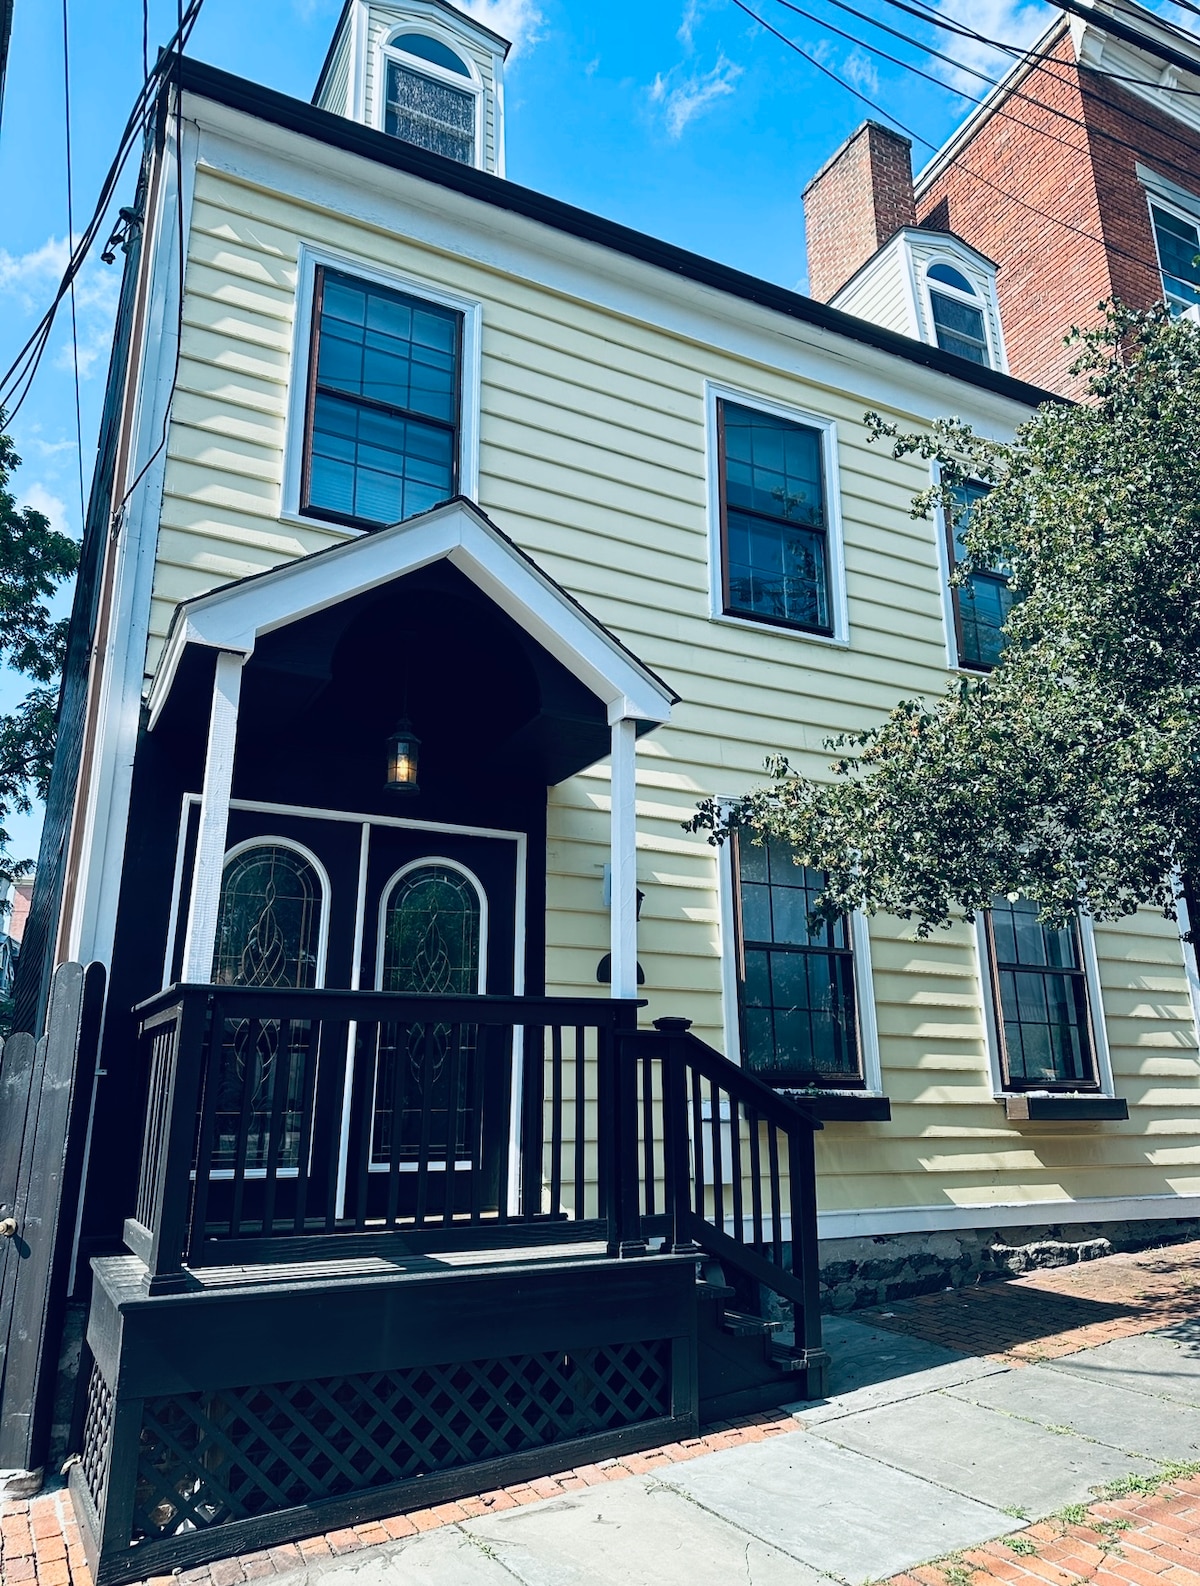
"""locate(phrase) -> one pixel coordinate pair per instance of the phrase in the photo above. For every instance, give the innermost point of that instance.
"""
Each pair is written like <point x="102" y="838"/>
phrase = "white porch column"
<point x="200" y="941"/>
<point x="624" y="858"/>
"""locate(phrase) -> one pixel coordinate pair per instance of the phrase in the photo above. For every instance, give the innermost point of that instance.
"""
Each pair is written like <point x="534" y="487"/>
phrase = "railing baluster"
<point x="533" y="1121"/>
<point x="581" y="1076"/>
<point x="718" y="1170"/>
<point x="366" y="1060"/>
<point x="754" y="1126"/>
<point x="281" y="1075"/>
<point x="776" y="1211"/>
<point x="454" y="1078"/>
<point x="309" y="1070"/>
<point x="505" y="1055"/>
<point x="394" y="1153"/>
<point x="478" y="1067"/>
<point x="648" y="1167"/>
<point x="245" y="1120"/>
<point x="426" y="1122"/>
<point x="698" y="1140"/>
<point x="556" y="1118"/>
<point x="735" y="1169"/>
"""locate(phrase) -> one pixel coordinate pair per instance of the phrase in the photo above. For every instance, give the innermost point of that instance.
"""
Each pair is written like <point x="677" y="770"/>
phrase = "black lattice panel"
<point x="208" y="1458"/>
<point x="97" y="1437"/>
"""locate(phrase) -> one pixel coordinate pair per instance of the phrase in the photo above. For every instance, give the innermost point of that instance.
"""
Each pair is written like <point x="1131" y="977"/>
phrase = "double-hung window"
<point x="958" y="322"/>
<point x="435" y="109"/>
<point x="981" y="604"/>
<point x="1178" y="242"/>
<point x="774" y="520"/>
<point x="382" y="435"/>
<point x="796" y="991"/>
<point x="1041" y="999"/>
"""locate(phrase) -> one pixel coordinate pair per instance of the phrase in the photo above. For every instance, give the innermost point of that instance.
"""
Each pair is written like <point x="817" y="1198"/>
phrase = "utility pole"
<point x="6" y="16"/>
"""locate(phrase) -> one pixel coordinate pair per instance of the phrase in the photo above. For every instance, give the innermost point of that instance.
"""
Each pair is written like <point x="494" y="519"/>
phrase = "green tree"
<point x="35" y="559"/>
<point x="1071" y="772"/>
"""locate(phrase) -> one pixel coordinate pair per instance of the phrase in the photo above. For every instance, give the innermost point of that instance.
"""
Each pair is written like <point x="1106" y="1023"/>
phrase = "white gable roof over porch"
<point x="233" y="617"/>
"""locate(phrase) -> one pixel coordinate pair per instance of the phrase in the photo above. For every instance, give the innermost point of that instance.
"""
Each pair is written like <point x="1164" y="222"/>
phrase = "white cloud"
<point x="682" y="98"/>
<point x="1016" y="22"/>
<point x="859" y="69"/>
<point x="687" y="27"/>
<point x="31" y="279"/>
<point x="517" y="20"/>
<point x="52" y="506"/>
<point x="28" y="275"/>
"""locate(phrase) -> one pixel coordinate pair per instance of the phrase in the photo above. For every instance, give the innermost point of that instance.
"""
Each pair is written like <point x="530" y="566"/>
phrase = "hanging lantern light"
<point x="403" y="752"/>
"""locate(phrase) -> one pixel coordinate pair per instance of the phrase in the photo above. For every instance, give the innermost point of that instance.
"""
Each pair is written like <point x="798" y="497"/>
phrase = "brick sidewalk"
<point x="1147" y="1538"/>
<point x="1057" y="1311"/>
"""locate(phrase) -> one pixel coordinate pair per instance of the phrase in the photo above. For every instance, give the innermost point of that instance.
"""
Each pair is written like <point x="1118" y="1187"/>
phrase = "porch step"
<point x="743" y="1326"/>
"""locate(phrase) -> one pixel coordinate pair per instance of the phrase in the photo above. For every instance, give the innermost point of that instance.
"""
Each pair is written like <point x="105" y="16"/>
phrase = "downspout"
<point x="35" y="963"/>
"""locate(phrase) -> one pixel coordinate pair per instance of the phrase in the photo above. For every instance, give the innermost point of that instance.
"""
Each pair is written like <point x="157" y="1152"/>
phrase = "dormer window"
<point x="431" y="97"/>
<point x="958" y="320"/>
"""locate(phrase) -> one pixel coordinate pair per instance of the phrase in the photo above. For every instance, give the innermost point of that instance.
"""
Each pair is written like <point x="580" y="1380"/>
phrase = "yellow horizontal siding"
<point x="592" y="456"/>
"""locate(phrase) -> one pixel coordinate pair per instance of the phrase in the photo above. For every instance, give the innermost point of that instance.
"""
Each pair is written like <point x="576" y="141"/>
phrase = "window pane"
<point x="951" y="277"/>
<point x="429" y="49"/>
<point x="389" y="348"/>
<point x="432" y="114"/>
<point x="959" y="328"/>
<point x="773" y="467"/>
<point x="797" y="999"/>
<point x="984" y="603"/>
<point x="1178" y="247"/>
<point x="373" y="465"/>
<point x="1043" y="998"/>
<point x="777" y="571"/>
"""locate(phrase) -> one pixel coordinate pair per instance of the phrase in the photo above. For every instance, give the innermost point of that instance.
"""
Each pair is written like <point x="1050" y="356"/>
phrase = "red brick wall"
<point x="854" y="204"/>
<point x="1051" y="277"/>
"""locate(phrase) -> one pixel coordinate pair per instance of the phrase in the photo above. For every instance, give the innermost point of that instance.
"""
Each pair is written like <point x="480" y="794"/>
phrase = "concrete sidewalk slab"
<point x="834" y="1509"/>
<point x="631" y="1533"/>
<point x="438" y="1558"/>
<point x="1138" y="1423"/>
<point x="871" y="1368"/>
<point x="983" y="1455"/>
<point x="1152" y="1363"/>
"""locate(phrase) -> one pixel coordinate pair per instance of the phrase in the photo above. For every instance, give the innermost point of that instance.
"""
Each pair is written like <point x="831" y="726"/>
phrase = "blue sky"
<point x="683" y="118"/>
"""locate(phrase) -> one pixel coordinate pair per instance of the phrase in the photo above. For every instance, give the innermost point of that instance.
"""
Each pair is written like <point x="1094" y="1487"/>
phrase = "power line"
<point x="17" y="378"/>
<point x="918" y="138"/>
<point x="1187" y="172"/>
<point x="70" y="240"/>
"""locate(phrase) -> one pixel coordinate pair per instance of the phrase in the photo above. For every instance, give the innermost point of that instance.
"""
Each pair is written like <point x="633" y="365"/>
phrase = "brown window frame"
<point x="739" y="613"/>
<point x="964" y="665"/>
<point x="329" y="514"/>
<point x="1080" y="976"/>
<point x="847" y="1083"/>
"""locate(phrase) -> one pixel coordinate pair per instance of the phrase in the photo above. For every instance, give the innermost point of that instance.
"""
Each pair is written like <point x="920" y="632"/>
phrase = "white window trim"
<point x="981" y="299"/>
<point x="1167" y="196"/>
<point x="1191" y="965"/>
<point x="310" y="256"/>
<point x="714" y="393"/>
<point x="472" y="84"/>
<point x="1095" y="1002"/>
<point x="424" y="864"/>
<point x="272" y="841"/>
<point x="864" y="986"/>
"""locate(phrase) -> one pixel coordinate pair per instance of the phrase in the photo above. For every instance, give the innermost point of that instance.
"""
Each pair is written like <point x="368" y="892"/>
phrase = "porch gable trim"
<point x="232" y="617"/>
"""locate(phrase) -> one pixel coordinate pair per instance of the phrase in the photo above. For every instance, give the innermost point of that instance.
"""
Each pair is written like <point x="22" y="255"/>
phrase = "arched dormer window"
<point x="431" y="96"/>
<point x="958" y="321"/>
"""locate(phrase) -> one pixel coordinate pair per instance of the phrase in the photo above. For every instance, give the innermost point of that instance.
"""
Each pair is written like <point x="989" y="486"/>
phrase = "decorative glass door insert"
<point x="431" y="945"/>
<point x="269" y="933"/>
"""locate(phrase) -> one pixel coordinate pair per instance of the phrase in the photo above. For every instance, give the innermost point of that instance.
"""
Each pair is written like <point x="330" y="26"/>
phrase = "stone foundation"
<point x="875" y="1270"/>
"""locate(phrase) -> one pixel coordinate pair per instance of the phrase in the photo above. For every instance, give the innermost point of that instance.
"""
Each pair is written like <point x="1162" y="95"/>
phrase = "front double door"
<point x="412" y="1117"/>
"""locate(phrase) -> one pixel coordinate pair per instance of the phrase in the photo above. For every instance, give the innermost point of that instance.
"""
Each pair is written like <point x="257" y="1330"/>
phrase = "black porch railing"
<point x="287" y="1125"/>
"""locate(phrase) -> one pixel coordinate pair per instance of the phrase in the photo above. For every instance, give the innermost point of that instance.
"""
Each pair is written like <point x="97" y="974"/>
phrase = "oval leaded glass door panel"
<point x="268" y="934"/>
<point x="431" y="945"/>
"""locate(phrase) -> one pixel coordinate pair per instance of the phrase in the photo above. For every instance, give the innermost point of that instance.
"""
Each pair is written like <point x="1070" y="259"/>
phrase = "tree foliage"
<point x="34" y="560"/>
<point x="1071" y="772"/>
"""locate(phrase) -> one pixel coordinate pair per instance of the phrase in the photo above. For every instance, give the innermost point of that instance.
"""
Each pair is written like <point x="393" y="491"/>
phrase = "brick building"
<point x="1077" y="179"/>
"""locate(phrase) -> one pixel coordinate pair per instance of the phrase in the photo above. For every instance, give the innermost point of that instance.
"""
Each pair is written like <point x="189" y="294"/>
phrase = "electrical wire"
<point x="71" y="238"/>
<point x="1113" y="138"/>
<point x="925" y="142"/>
<point x="17" y="378"/>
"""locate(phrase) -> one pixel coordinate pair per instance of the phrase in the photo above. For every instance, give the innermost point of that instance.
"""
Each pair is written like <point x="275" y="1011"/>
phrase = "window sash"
<point x="788" y="991"/>
<point x="986" y="588"/>
<point x="1177" y="242"/>
<point x="1061" y="1040"/>
<point x="959" y="327"/>
<point x="798" y="541"/>
<point x="414" y="465"/>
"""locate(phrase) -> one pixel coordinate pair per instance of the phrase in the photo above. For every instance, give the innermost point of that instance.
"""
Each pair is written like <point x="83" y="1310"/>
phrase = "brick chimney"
<point x="855" y="202"/>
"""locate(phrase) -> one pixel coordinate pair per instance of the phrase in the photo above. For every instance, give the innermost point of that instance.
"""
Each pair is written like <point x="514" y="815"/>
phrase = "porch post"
<point x="214" y="819"/>
<point x="624" y="858"/>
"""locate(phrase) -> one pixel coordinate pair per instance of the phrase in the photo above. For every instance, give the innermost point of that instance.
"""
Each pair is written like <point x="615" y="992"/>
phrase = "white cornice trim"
<point x="232" y="618"/>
